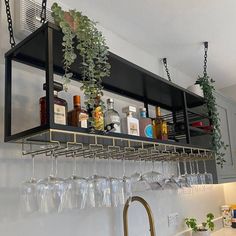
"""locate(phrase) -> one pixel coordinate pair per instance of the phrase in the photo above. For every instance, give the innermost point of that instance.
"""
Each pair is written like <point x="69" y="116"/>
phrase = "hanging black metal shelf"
<point x="43" y="50"/>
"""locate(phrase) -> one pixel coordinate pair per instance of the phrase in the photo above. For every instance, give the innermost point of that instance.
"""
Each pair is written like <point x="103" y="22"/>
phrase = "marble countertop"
<point x="225" y="232"/>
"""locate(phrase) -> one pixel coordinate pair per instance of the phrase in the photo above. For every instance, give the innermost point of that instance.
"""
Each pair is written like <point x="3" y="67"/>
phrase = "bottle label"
<point x="98" y="118"/>
<point x="164" y="128"/>
<point x="115" y="120"/>
<point x="148" y="131"/>
<point x="133" y="128"/>
<point x="59" y="114"/>
<point x="83" y="119"/>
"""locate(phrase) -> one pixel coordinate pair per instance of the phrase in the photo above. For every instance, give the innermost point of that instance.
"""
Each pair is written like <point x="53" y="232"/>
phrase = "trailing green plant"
<point x="219" y="147"/>
<point x="208" y="224"/>
<point x="81" y="33"/>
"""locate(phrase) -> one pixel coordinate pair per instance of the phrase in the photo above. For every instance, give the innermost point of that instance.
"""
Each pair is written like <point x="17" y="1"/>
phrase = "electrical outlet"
<point x="173" y="219"/>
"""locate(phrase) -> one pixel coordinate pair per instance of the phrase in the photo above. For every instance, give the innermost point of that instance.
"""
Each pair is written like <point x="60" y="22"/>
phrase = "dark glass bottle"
<point x="78" y="117"/>
<point x="60" y="106"/>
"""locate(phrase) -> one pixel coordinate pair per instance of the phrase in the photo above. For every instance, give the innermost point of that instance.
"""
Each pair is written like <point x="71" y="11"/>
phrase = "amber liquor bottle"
<point x="78" y="117"/>
<point x="60" y="106"/>
<point x="160" y="126"/>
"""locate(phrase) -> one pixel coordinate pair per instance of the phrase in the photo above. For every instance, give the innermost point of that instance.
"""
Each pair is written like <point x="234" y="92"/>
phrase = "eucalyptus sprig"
<point x="219" y="147"/>
<point x="92" y="48"/>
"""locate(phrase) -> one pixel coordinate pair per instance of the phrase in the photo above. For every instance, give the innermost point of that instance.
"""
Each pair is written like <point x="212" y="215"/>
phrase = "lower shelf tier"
<point x="65" y="140"/>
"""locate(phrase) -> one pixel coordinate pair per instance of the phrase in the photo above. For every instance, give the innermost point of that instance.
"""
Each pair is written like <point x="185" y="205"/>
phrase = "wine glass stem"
<point x="33" y="167"/>
<point x="94" y="165"/>
<point x="191" y="168"/>
<point x="55" y="166"/>
<point x="52" y="166"/>
<point x="197" y="167"/>
<point x="204" y="164"/>
<point x="109" y="163"/>
<point x="75" y="166"/>
<point x="178" y="169"/>
<point x="123" y="165"/>
<point x="185" y="168"/>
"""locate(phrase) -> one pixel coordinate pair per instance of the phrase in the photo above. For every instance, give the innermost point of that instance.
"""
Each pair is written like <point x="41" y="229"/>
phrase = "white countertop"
<point x="225" y="232"/>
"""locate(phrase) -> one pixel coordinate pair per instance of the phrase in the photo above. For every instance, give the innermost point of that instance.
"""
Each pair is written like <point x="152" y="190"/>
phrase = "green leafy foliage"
<point x="92" y="48"/>
<point x="219" y="147"/>
<point x="192" y="223"/>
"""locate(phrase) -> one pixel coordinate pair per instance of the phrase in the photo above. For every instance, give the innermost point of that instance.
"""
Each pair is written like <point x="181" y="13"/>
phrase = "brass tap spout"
<point x="149" y="213"/>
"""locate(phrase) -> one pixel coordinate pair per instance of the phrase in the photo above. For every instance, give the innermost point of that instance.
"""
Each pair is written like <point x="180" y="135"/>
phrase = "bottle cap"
<point x="110" y="100"/>
<point x="129" y="109"/>
<point x="158" y="111"/>
<point x="142" y="109"/>
<point x="56" y="86"/>
<point x="76" y="99"/>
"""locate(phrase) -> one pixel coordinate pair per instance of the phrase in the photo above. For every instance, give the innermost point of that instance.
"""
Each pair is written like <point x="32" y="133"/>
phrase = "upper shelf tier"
<point x="126" y="79"/>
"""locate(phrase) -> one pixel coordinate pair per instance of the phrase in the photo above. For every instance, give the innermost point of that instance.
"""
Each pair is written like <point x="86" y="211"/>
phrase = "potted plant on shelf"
<point x="203" y="229"/>
<point x="196" y="88"/>
<point x="80" y="33"/>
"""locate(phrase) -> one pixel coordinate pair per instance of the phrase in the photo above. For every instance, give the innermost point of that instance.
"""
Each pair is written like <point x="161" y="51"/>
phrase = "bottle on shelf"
<point x="111" y="118"/>
<point x="160" y="126"/>
<point x="60" y="106"/>
<point x="78" y="117"/>
<point x="145" y="124"/>
<point x="130" y="124"/>
<point x="97" y="115"/>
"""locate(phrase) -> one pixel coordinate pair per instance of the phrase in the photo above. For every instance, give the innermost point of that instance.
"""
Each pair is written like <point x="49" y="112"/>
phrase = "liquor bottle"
<point x="60" y="106"/>
<point x="160" y="126"/>
<point x="97" y="115"/>
<point x="145" y="124"/>
<point x="111" y="118"/>
<point x="130" y="124"/>
<point x="78" y="117"/>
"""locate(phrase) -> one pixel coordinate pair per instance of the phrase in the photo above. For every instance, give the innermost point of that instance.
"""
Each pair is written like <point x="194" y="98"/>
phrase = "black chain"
<point x="166" y="68"/>
<point x="9" y="20"/>
<point x="205" y="59"/>
<point x="43" y="13"/>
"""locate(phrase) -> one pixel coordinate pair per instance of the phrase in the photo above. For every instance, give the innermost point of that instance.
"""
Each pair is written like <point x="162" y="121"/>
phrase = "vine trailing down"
<point x="81" y="33"/>
<point x="219" y="147"/>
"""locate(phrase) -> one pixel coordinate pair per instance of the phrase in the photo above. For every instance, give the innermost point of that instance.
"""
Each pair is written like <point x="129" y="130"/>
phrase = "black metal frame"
<point x="48" y="31"/>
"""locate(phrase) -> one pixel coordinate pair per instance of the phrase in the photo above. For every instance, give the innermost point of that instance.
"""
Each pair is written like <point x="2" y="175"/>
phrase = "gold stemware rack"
<point x="88" y="145"/>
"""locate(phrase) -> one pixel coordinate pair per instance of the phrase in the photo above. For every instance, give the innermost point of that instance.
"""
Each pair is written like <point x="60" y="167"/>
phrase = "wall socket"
<point x="173" y="219"/>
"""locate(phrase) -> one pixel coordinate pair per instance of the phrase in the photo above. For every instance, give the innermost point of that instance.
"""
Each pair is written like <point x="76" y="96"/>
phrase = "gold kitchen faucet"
<point x="148" y="210"/>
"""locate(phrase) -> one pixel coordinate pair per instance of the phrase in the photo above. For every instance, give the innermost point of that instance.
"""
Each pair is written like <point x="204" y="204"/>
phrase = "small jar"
<point x="226" y="214"/>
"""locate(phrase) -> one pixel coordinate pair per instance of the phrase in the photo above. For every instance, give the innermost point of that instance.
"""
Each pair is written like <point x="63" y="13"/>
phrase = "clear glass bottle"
<point x="78" y="117"/>
<point x="160" y="126"/>
<point x="60" y="106"/>
<point x="145" y="124"/>
<point x="130" y="124"/>
<point x="111" y="118"/>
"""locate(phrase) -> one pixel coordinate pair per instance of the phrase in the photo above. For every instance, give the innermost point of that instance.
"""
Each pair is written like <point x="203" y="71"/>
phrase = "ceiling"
<point x="176" y="30"/>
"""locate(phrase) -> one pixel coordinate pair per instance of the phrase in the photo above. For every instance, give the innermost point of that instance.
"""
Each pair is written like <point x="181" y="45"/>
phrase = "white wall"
<point x="230" y="193"/>
<point x="100" y="222"/>
<point x="229" y="92"/>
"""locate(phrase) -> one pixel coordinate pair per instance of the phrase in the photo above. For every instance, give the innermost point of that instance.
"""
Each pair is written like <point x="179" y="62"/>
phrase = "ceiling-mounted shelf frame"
<point x="43" y="50"/>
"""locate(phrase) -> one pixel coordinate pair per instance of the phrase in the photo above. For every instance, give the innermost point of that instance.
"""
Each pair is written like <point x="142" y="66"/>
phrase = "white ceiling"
<point x="174" y="29"/>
